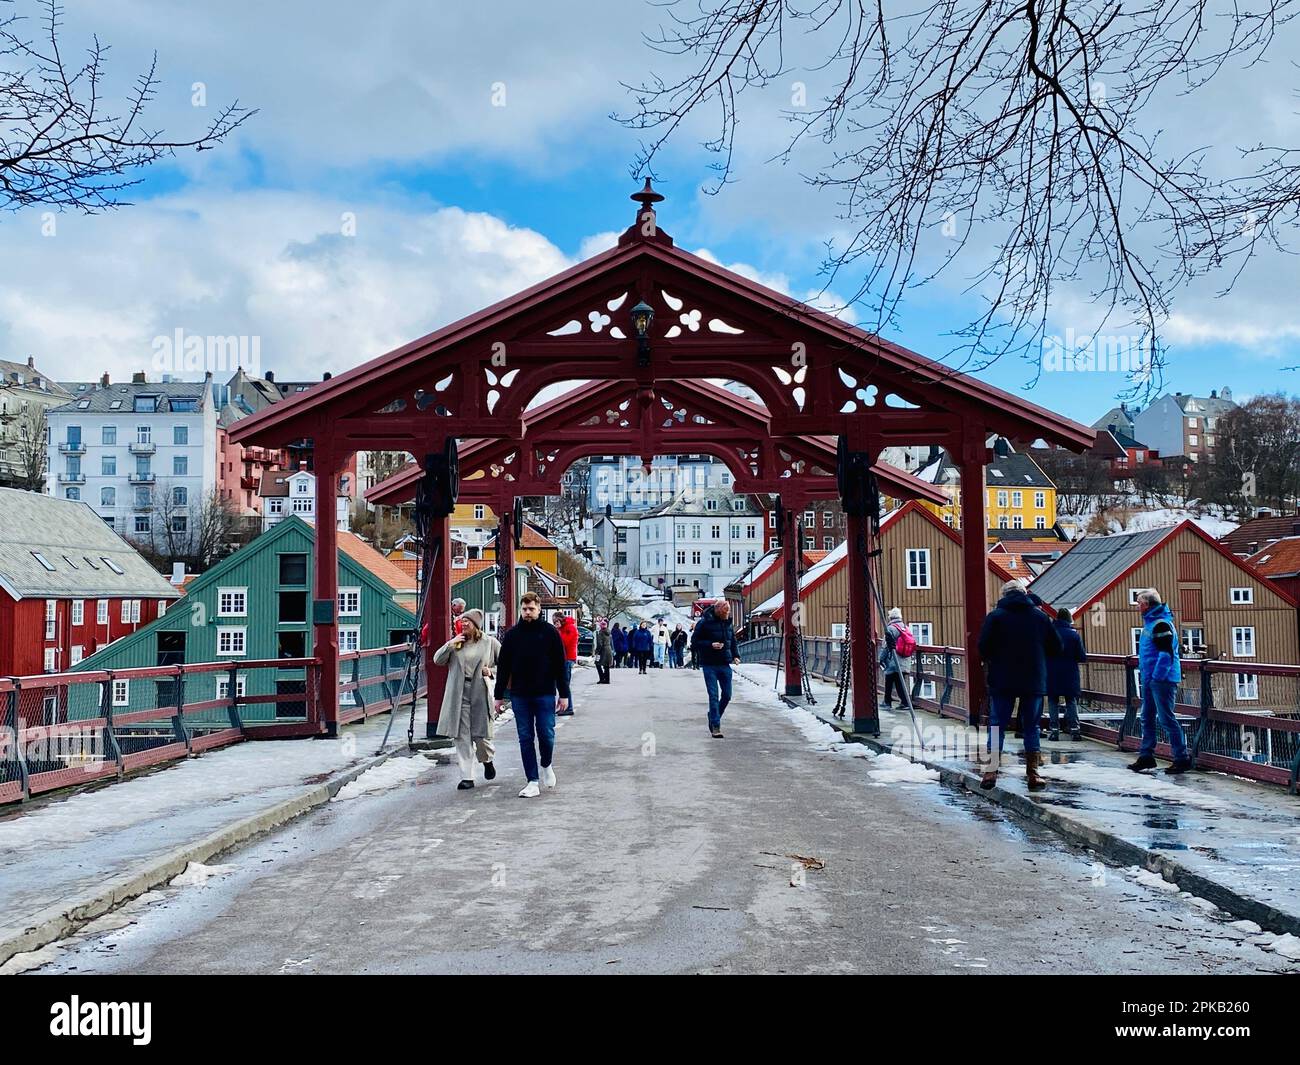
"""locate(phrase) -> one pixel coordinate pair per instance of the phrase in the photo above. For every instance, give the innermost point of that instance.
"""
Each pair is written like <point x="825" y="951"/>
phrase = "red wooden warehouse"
<point x="651" y="321"/>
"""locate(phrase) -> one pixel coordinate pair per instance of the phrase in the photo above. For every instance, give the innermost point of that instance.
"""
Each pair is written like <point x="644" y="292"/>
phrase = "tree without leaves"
<point x="58" y="146"/>
<point x="1257" y="457"/>
<point x="31" y="435"/>
<point x="1013" y="128"/>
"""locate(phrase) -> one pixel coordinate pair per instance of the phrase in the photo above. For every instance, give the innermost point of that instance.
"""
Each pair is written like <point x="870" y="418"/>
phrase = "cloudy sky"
<point x="412" y="162"/>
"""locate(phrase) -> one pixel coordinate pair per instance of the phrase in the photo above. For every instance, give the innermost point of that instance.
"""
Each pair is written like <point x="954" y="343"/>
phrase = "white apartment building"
<point x="24" y="393"/>
<point x="284" y="493"/>
<point x="622" y="483"/>
<point x="618" y="541"/>
<point x="143" y="455"/>
<point x="705" y="539"/>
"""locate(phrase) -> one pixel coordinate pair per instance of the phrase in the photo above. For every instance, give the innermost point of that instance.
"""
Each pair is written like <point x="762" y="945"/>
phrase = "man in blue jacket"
<point x="1063" y="677"/>
<point x="1161" y="669"/>
<point x="713" y="642"/>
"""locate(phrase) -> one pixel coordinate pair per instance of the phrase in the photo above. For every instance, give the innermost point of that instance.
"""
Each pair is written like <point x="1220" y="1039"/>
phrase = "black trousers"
<point x="602" y="671"/>
<point x="643" y="659"/>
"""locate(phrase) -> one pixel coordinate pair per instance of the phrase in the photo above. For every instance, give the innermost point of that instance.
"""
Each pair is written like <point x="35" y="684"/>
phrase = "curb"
<point x="62" y="919"/>
<point x="1107" y="845"/>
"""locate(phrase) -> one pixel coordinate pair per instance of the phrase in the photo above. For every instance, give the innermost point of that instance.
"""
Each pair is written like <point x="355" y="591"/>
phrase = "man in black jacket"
<point x="1015" y="643"/>
<point x="713" y="643"/>
<point x="530" y="666"/>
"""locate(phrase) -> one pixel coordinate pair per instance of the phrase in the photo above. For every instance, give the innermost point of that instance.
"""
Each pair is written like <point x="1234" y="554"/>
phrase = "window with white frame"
<point x="101" y="612"/>
<point x="231" y="640"/>
<point x="1002" y="498"/>
<point x="303" y="506"/>
<point x="1040" y="522"/>
<point x="1240" y="596"/>
<point x="121" y="693"/>
<point x="923" y="634"/>
<point x="480" y="512"/>
<point x="349" y="637"/>
<point x="49" y="660"/>
<point x="232" y="602"/>
<point x="1247" y="686"/>
<point x="695" y="558"/>
<point x="223" y="686"/>
<point x="1193" y="640"/>
<point x="810" y="519"/>
<point x="773" y="543"/>
<point x="771" y="519"/>
<point x="828" y="543"/>
<point x="75" y="655"/>
<point x="78" y="612"/>
<point x="918" y="567"/>
<point x="1136" y="635"/>
<point x="1040" y="500"/>
<point x="275" y="506"/>
<point x="1002" y="521"/>
<point x="681" y="558"/>
<point x="349" y="602"/>
<point x="837" y="630"/>
<point x="735" y="558"/>
<point x="1017" y="522"/>
<point x="51" y="605"/>
<point x="135" y="610"/>
<point x="162" y="607"/>
<point x="1133" y="595"/>
<point x="1243" y="641"/>
<point x="1017" y="499"/>
<point x="715" y="560"/>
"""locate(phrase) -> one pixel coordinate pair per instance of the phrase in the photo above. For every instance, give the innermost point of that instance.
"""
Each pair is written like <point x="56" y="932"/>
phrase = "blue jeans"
<point x="534" y="714"/>
<point x="1071" y="712"/>
<point x="717" y="681"/>
<point x="1158" y="706"/>
<point x="568" y="679"/>
<point x="1000" y="707"/>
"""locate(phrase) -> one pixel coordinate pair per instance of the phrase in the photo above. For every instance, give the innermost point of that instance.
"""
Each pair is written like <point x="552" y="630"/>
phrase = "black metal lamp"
<point x="643" y="316"/>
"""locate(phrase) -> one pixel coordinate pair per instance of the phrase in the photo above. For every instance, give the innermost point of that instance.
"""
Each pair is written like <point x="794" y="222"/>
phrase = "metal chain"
<point x="845" y="677"/>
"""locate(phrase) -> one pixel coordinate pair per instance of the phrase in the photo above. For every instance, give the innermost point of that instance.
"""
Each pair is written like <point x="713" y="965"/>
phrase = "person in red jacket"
<point x="569" y="637"/>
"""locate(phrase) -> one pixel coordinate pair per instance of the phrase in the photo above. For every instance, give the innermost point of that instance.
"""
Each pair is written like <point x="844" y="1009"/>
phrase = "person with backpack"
<point x="896" y="658"/>
<point x="1063" y="678"/>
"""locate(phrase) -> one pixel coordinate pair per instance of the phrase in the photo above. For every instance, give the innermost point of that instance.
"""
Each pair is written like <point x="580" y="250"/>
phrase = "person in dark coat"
<point x="618" y="638"/>
<point x="1015" y="643"/>
<point x="643" y="642"/>
<point x="1063" y="677"/>
<point x="714" y="642"/>
<point x="604" y="653"/>
<point x="677" y="646"/>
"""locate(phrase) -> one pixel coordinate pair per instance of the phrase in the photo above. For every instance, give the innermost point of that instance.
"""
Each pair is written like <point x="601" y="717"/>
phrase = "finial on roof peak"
<point x="646" y="225"/>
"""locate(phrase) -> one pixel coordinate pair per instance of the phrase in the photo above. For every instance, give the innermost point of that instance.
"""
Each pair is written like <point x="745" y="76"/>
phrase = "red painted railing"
<point x="63" y="729"/>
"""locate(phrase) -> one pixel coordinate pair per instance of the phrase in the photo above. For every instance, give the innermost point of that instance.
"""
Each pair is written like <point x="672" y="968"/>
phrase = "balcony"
<point x="142" y="477"/>
<point x="72" y="447"/>
<point x="142" y="447"/>
<point x="68" y="477"/>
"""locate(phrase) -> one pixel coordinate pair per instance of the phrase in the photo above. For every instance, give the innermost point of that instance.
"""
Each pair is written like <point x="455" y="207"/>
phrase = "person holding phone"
<point x="466" y="713"/>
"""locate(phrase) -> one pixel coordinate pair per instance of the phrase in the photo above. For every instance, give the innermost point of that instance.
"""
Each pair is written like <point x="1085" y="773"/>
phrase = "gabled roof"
<point x="693" y="504"/>
<point x="1281" y="558"/>
<point x="27" y="373"/>
<point x="362" y="553"/>
<point x="1119" y="416"/>
<point x="119" y="398"/>
<point x="82" y="550"/>
<point x="1260" y="531"/>
<point x="529" y="538"/>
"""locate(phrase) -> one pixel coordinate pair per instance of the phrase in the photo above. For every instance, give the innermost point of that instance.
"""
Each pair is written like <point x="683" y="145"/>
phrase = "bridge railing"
<point x="1240" y="718"/>
<point x="63" y="729"/>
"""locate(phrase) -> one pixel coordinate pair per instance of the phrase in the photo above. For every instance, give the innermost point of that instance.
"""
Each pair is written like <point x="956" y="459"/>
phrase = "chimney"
<point x="326" y="375"/>
<point x="270" y="376"/>
<point x="1214" y="393"/>
<point x="1111" y="427"/>
<point x="31" y="362"/>
<point x="178" y="573"/>
<point x="103" y="381"/>
<point x="138" y="378"/>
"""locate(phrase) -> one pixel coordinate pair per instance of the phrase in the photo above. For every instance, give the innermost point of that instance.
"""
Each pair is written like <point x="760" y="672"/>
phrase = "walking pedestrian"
<point x="896" y="658"/>
<point x="1015" y="643"/>
<point x="661" y="645"/>
<point x="677" y="646"/>
<point x="714" y="643"/>
<point x="618" y="637"/>
<point x="568" y="630"/>
<point x="1161" y="670"/>
<point x="466" y="712"/>
<point x="1063" y="678"/>
<point x="642" y="645"/>
<point x="604" y="653"/>
<point x="530" y="668"/>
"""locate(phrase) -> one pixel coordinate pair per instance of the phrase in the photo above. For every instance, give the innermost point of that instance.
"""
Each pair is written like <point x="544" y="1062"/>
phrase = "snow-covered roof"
<point x="814" y="573"/>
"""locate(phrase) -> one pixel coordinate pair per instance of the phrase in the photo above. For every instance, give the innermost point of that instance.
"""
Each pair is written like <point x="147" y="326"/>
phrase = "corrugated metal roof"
<point x="1091" y="564"/>
<point x="78" y="547"/>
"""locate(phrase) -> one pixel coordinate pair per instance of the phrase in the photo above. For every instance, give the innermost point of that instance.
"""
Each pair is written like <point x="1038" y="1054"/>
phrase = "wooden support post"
<point x="323" y="706"/>
<point x="437" y="614"/>
<point x="862" y="625"/>
<point x="974" y="551"/>
<point x="506" y="561"/>
<point x="792" y="610"/>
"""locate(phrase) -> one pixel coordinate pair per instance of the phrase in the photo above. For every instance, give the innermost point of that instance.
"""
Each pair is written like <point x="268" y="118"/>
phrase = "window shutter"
<point x="1189" y="604"/>
<point x="1189" y="566"/>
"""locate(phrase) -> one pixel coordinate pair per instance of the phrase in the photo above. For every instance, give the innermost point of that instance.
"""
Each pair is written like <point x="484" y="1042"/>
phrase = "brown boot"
<point x="989" y="779"/>
<point x="1032" y="761"/>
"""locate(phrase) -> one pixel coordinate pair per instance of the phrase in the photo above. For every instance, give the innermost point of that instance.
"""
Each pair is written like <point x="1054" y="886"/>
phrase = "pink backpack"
<point x="904" y="641"/>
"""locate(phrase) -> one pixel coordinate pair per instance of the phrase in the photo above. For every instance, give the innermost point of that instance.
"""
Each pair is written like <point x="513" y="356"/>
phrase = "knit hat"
<point x="895" y="614"/>
<point x="475" y="616"/>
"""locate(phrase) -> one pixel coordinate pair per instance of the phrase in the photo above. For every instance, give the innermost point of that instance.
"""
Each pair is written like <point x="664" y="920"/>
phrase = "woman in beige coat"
<point x="466" y="714"/>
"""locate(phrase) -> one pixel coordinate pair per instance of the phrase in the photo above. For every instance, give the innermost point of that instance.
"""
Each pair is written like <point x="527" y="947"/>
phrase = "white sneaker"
<point x="531" y="790"/>
<point x="548" y="775"/>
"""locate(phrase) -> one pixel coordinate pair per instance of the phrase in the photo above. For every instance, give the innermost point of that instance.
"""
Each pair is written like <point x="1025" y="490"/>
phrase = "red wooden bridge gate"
<point x="649" y="326"/>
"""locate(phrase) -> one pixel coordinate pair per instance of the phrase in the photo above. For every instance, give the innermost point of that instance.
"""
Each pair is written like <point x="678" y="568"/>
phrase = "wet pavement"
<point x="1238" y="833"/>
<point x="777" y="849"/>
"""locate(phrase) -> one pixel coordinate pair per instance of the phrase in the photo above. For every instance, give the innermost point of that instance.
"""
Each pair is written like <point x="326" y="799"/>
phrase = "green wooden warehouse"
<point x="254" y="605"/>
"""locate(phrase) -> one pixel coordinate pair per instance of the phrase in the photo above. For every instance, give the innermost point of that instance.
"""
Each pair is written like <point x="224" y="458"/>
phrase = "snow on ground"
<point x="213" y="778"/>
<point x="1113" y="779"/>
<point x="197" y="874"/>
<point x="891" y="769"/>
<point x="382" y="777"/>
<point x="1159" y="518"/>
<point x="1153" y="880"/>
<point x="1288" y="946"/>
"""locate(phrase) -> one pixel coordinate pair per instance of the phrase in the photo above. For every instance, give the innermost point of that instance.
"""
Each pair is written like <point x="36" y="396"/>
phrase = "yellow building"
<point x="1017" y="495"/>
<point x="533" y="547"/>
